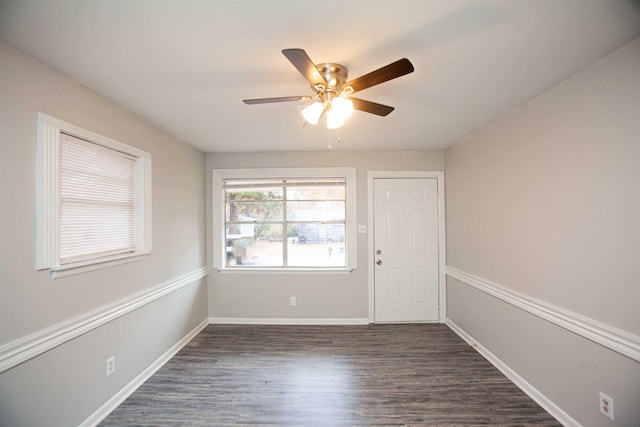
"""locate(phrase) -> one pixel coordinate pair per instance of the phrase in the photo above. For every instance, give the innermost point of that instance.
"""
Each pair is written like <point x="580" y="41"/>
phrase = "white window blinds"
<point x="97" y="200"/>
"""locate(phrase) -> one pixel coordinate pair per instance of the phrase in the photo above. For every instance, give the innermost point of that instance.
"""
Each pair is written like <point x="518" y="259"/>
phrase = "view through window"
<point x="285" y="222"/>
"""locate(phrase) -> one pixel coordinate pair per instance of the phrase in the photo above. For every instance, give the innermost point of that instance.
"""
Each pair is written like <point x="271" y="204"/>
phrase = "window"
<point x="285" y="219"/>
<point x="94" y="200"/>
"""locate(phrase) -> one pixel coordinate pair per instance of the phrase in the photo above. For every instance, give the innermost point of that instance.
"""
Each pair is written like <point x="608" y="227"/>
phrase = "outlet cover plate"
<point x="111" y="365"/>
<point x="606" y="406"/>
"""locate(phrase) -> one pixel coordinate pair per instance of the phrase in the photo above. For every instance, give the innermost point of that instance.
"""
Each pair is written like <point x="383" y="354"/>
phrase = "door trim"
<point x="442" y="250"/>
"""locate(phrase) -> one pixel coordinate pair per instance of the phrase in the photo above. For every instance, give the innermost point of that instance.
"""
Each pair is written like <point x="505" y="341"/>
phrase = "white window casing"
<point x="220" y="176"/>
<point x="93" y="206"/>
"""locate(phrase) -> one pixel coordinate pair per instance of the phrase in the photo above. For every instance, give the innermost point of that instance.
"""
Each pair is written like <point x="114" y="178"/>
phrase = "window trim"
<point x="218" y="214"/>
<point x="48" y="199"/>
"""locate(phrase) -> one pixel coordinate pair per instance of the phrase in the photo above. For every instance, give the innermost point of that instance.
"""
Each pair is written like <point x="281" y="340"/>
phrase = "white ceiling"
<point x="186" y="65"/>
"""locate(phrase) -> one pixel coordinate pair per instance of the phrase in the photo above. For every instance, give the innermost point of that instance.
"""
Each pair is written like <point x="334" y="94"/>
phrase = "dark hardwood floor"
<point x="413" y="374"/>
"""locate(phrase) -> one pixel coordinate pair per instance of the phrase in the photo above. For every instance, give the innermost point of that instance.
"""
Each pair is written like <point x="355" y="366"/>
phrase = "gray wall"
<point x="545" y="201"/>
<point x="334" y="296"/>
<point x="67" y="384"/>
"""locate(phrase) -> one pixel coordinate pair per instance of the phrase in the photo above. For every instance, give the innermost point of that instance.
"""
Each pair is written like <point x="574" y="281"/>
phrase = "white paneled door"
<point x="406" y="249"/>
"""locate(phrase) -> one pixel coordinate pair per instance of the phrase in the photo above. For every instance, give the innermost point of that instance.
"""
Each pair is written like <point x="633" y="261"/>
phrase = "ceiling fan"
<point x="332" y="91"/>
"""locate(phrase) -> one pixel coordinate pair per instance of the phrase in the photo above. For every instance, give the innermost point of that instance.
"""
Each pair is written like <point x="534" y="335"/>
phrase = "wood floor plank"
<point x="396" y="375"/>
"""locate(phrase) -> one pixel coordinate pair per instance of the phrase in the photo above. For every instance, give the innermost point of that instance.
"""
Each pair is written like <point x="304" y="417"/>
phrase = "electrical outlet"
<point x="111" y="365"/>
<point x="362" y="229"/>
<point x="292" y="301"/>
<point x="606" y="405"/>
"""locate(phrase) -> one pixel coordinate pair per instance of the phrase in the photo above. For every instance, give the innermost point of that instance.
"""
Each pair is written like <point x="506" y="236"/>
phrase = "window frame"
<point x="219" y="214"/>
<point x="48" y="199"/>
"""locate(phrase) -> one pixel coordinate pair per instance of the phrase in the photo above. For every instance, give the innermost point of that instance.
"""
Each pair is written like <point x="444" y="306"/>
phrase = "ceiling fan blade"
<point x="304" y="64"/>
<point x="381" y="75"/>
<point x="279" y="99"/>
<point x="371" y="107"/>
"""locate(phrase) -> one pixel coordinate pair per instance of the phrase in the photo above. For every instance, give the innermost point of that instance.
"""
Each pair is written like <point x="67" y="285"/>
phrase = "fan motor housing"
<point x="334" y="74"/>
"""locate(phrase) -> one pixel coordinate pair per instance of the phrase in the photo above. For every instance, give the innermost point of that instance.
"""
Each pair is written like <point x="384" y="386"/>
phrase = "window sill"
<point x="91" y="265"/>
<point x="241" y="270"/>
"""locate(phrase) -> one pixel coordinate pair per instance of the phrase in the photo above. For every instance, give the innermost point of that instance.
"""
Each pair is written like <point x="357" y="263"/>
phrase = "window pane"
<point x="254" y="211"/>
<point x="316" y="245"/>
<point x="253" y="190"/>
<point x="316" y="192"/>
<point x="253" y="184"/>
<point x="316" y="211"/>
<point x="260" y="246"/>
<point x="255" y="194"/>
<point x="297" y="222"/>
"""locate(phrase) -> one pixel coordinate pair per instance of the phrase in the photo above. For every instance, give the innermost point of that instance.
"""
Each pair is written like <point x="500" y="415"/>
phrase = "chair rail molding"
<point x="618" y="340"/>
<point x="30" y="346"/>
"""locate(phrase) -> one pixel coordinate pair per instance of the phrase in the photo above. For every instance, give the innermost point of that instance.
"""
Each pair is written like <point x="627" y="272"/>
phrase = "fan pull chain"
<point x="338" y="139"/>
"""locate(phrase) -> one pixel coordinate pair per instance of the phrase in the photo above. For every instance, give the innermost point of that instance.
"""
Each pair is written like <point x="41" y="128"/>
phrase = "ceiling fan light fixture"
<point x="330" y="86"/>
<point x="313" y="112"/>
<point x="342" y="107"/>
<point x="334" y="119"/>
<point x="338" y="112"/>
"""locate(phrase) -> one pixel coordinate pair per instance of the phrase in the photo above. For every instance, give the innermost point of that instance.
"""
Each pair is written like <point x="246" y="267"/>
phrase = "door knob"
<point x="379" y="262"/>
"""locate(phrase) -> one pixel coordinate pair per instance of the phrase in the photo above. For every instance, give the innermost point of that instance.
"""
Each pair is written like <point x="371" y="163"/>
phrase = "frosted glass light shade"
<point x="334" y="120"/>
<point x="343" y="107"/>
<point x="313" y="112"/>
<point x="336" y="115"/>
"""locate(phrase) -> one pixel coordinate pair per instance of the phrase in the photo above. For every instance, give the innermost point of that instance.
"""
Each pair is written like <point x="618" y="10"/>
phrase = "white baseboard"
<point x="128" y="390"/>
<point x="287" y="321"/>
<point x="523" y="384"/>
